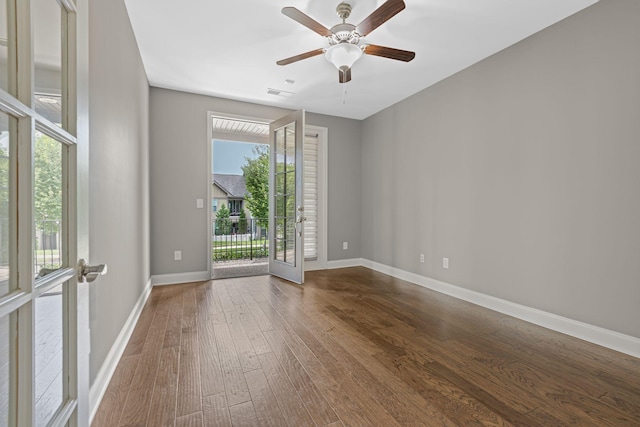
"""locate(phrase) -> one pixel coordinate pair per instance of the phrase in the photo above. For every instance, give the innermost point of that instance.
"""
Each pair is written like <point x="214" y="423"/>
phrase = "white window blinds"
<point x="310" y="154"/>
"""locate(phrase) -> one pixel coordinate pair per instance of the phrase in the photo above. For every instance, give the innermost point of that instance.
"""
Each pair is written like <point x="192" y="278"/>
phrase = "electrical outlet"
<point x="445" y="262"/>
<point x="199" y="203"/>
<point x="421" y="257"/>
<point x="177" y="255"/>
<point x="345" y="245"/>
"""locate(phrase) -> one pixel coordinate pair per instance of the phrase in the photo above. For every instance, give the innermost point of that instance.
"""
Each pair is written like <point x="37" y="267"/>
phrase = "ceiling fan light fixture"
<point x="344" y="37"/>
<point x="343" y="55"/>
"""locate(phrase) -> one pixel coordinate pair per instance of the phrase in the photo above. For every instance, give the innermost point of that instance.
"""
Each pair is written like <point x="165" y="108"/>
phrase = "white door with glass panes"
<point x="286" y="209"/>
<point x="43" y="305"/>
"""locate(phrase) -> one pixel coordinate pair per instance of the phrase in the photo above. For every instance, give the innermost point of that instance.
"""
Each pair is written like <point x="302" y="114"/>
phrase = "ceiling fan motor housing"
<point x="344" y="33"/>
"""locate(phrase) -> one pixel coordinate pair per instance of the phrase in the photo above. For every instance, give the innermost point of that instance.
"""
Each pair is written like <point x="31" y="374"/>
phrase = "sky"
<point x="229" y="156"/>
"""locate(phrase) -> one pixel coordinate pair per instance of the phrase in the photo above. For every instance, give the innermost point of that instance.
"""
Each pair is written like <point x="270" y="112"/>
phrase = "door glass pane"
<point x="279" y="141"/>
<point x="280" y="212"/>
<point x="280" y="186"/>
<point x="48" y="352"/>
<point x="4" y="50"/>
<point x="278" y="253"/>
<point x="280" y="250"/>
<point x="47" y="205"/>
<point x="290" y="206"/>
<point x="5" y="352"/>
<point x="290" y="253"/>
<point x="290" y="142"/>
<point x="47" y="44"/>
<point x="4" y="204"/>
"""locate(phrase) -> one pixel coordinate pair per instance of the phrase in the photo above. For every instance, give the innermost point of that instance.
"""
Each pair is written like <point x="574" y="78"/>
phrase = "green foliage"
<point x="242" y="222"/>
<point x="223" y="223"/>
<point x="233" y="253"/>
<point x="48" y="183"/>
<point x="256" y="176"/>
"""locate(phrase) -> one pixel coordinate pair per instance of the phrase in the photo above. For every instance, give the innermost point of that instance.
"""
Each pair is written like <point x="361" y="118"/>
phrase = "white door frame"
<point x="17" y="102"/>
<point x="323" y="143"/>
<point x="210" y="137"/>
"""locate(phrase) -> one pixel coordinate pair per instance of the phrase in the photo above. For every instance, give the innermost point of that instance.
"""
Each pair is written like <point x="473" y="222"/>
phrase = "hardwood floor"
<point x="355" y="347"/>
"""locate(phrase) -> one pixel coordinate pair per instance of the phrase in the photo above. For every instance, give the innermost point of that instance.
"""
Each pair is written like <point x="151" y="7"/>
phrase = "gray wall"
<point x="343" y="184"/>
<point x="179" y="175"/>
<point x="119" y="174"/>
<point x="523" y="170"/>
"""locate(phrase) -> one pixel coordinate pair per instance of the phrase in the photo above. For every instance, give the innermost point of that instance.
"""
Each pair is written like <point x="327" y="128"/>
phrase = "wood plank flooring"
<point x="355" y="347"/>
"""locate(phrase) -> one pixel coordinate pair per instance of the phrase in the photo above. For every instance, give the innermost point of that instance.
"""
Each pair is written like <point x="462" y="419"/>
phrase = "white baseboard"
<point x="594" y="334"/>
<point x="344" y="263"/>
<point x="99" y="386"/>
<point x="176" y="278"/>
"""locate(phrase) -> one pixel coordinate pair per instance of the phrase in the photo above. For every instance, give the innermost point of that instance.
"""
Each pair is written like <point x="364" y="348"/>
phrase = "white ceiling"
<point x="229" y="48"/>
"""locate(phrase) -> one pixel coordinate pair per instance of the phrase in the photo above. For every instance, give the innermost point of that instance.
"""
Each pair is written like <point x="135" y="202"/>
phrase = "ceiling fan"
<point x="344" y="38"/>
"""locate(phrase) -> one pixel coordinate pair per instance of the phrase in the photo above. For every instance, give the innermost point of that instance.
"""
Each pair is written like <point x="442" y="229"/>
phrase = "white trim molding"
<point x="345" y="263"/>
<point x="99" y="386"/>
<point x="177" y="278"/>
<point x="604" y="337"/>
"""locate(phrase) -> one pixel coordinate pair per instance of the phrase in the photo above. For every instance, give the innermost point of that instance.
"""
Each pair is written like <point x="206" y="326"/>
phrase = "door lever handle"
<point x="299" y="220"/>
<point x="89" y="273"/>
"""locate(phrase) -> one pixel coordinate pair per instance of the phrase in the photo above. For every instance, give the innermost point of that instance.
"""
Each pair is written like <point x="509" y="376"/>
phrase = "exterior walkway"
<point x="240" y="268"/>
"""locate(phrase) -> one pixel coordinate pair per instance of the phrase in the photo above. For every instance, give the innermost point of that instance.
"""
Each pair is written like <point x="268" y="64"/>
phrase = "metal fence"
<point x="48" y="245"/>
<point x="239" y="239"/>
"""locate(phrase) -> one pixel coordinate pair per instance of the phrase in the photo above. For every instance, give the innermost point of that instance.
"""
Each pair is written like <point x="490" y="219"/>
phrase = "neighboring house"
<point x="229" y="190"/>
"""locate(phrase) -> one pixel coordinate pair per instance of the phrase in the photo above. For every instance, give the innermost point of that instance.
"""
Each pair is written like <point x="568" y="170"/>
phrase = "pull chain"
<point x="344" y="95"/>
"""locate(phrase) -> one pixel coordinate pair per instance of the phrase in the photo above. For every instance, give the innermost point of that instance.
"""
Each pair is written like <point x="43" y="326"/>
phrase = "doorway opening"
<point x="239" y="202"/>
<point x="239" y="198"/>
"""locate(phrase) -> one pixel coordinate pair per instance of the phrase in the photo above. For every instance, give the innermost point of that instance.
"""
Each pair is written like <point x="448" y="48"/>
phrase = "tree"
<point x="256" y="176"/>
<point x="48" y="178"/>
<point x="47" y="201"/>
<point x="223" y="223"/>
<point x="242" y="222"/>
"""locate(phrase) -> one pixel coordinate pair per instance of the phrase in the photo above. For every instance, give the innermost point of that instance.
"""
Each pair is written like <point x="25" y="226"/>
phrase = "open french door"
<point x="44" y="335"/>
<point x="286" y="210"/>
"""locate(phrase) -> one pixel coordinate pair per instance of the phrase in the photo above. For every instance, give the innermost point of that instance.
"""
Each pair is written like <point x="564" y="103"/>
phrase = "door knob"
<point x="89" y="273"/>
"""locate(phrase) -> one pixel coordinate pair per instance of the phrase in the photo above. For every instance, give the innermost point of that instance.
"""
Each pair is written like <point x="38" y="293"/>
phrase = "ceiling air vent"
<point x="278" y="92"/>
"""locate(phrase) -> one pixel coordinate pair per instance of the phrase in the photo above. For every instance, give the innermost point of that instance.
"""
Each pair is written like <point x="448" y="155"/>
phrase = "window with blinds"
<point x="310" y="183"/>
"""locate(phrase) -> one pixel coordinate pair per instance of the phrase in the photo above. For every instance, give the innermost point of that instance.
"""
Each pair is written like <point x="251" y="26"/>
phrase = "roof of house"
<point x="233" y="185"/>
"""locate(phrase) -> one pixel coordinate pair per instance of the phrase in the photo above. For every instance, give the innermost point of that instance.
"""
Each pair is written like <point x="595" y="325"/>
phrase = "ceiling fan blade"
<point x="300" y="57"/>
<point x="306" y="20"/>
<point x="344" y="76"/>
<point x="389" y="52"/>
<point x="379" y="16"/>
